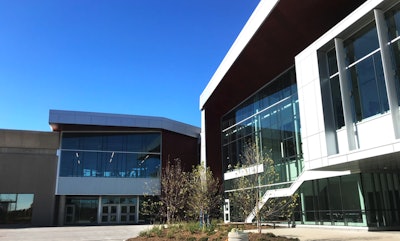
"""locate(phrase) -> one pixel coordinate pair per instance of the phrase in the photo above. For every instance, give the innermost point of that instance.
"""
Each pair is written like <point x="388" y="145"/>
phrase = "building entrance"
<point x="118" y="213"/>
<point x="101" y="210"/>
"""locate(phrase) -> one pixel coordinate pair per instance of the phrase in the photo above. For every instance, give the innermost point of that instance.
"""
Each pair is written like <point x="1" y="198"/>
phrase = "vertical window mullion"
<point x="388" y="70"/>
<point x="345" y="92"/>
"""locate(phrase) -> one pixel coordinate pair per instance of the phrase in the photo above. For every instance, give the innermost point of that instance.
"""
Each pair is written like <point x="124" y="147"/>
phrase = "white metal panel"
<point x="375" y="131"/>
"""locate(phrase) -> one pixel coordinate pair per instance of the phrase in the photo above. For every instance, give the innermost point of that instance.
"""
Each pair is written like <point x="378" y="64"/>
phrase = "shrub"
<point x="144" y="234"/>
<point x="170" y="234"/>
<point x="192" y="227"/>
<point x="191" y="239"/>
<point x="203" y="239"/>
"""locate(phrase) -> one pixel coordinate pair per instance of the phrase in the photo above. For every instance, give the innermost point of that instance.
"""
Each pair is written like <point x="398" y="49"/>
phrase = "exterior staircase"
<point x="285" y="192"/>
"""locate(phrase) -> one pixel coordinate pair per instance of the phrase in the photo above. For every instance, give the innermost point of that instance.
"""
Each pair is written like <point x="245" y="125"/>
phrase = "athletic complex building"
<point x="318" y="84"/>
<point x="315" y="82"/>
<point x="93" y="169"/>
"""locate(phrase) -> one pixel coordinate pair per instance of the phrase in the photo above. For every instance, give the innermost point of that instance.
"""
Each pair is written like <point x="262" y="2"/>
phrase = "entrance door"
<point x="128" y="213"/>
<point x="109" y="213"/>
<point x="69" y="214"/>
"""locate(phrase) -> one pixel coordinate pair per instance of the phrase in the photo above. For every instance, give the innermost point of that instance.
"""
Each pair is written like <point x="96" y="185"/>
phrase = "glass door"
<point x="109" y="213"/>
<point x="128" y="213"/>
<point x="69" y="214"/>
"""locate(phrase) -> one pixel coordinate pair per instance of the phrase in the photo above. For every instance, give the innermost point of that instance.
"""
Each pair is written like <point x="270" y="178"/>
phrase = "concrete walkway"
<point x="334" y="234"/>
<point x="123" y="232"/>
<point x="81" y="233"/>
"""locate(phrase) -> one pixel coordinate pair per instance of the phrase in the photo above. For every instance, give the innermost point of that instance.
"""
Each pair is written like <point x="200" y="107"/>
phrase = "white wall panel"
<point x="375" y="131"/>
<point x="310" y="110"/>
<point x="314" y="147"/>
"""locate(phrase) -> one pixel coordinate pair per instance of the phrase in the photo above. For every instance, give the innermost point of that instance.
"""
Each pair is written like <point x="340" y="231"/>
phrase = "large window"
<point x="335" y="89"/>
<point x="332" y="201"/>
<point x="269" y="118"/>
<point x="364" y="64"/>
<point x="16" y="208"/>
<point x="364" y="70"/>
<point x="125" y="155"/>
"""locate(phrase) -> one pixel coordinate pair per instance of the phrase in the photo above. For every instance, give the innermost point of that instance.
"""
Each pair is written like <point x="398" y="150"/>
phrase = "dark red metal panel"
<point x="290" y="28"/>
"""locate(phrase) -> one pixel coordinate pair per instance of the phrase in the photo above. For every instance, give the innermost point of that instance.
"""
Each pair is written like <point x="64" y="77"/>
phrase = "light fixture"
<point x="112" y="156"/>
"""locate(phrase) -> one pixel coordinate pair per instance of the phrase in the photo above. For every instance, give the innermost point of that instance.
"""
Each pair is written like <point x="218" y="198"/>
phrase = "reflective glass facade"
<point x="16" y="208"/>
<point x="123" y="155"/>
<point x="269" y="118"/>
<point x="364" y="70"/>
<point x="367" y="199"/>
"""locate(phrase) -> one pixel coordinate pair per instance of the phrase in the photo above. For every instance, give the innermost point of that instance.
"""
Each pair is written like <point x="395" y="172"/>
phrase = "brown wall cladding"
<point x="184" y="147"/>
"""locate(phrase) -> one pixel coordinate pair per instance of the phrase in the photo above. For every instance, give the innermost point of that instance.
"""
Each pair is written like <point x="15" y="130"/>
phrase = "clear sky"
<point x="140" y="57"/>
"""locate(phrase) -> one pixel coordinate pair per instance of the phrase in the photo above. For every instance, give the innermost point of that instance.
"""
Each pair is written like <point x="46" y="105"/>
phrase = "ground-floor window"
<point x="16" y="208"/>
<point x="332" y="201"/>
<point x="367" y="199"/>
<point x="101" y="210"/>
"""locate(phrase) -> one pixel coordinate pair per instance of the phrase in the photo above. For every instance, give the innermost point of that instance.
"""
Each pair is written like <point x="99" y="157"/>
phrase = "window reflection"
<point x="269" y="118"/>
<point x="16" y="208"/>
<point x="114" y="157"/>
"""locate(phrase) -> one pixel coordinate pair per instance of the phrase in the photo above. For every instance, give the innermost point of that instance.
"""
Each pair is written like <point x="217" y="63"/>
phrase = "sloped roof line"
<point x="121" y="120"/>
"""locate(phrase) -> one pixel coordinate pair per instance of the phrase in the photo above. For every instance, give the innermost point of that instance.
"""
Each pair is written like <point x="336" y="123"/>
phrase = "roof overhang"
<point x="60" y="120"/>
<point x="275" y="33"/>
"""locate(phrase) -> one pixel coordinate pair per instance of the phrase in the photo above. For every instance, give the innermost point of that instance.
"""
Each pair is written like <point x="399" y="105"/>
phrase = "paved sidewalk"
<point x="334" y="234"/>
<point x="123" y="232"/>
<point x="81" y="233"/>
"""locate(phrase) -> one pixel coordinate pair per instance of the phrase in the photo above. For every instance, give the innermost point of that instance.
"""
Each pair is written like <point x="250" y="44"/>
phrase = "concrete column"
<point x="388" y="70"/>
<point x="346" y="94"/>
<point x="99" y="210"/>
<point x="61" y="210"/>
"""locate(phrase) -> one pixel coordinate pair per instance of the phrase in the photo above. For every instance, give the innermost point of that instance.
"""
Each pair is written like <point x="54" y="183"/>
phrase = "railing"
<point x="285" y="192"/>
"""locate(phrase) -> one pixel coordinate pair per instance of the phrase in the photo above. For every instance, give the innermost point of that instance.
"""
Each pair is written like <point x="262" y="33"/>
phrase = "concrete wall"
<point x="28" y="165"/>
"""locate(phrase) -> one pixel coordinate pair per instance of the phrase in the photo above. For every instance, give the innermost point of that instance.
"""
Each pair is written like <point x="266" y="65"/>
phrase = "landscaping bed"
<point x="191" y="232"/>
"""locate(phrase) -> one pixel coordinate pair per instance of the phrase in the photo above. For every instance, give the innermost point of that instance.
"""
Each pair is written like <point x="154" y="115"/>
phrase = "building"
<point x="93" y="169"/>
<point x="28" y="167"/>
<point x="318" y="84"/>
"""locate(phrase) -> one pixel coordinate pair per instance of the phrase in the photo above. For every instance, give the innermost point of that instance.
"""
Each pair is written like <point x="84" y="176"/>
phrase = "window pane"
<point x="368" y="81"/>
<point x="361" y="44"/>
<point x="332" y="63"/>
<point x="16" y="208"/>
<point x="337" y="102"/>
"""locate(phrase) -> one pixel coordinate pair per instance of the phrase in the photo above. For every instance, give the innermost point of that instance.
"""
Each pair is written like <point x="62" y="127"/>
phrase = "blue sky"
<point x="140" y="57"/>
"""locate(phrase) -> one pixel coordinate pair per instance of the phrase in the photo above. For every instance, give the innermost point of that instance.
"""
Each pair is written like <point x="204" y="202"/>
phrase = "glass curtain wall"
<point x="123" y="155"/>
<point x="270" y="119"/>
<point x="364" y="70"/>
<point x="366" y="199"/>
<point x="364" y="66"/>
<point x="332" y="201"/>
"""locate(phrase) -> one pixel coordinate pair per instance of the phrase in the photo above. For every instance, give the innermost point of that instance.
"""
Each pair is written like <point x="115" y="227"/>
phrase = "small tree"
<point x="204" y="195"/>
<point x="250" y="188"/>
<point x="174" y="191"/>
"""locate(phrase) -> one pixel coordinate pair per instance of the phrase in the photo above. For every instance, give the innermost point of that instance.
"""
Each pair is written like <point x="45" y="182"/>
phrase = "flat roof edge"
<point x="121" y="120"/>
<point x="258" y="16"/>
